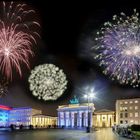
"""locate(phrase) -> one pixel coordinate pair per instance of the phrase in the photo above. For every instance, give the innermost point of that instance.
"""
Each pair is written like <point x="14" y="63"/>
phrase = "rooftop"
<point x="128" y="99"/>
<point x="76" y="106"/>
<point x="104" y="111"/>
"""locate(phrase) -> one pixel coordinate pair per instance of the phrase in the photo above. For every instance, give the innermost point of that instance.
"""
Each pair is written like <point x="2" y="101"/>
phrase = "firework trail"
<point x="17" y="35"/>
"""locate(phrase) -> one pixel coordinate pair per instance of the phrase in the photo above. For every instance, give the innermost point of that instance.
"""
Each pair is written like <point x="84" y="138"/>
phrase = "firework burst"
<point x="47" y="82"/>
<point x="118" y="49"/>
<point x="17" y="35"/>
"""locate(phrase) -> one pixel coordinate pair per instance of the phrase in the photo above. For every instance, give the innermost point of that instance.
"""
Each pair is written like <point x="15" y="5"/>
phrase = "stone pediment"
<point x="106" y="111"/>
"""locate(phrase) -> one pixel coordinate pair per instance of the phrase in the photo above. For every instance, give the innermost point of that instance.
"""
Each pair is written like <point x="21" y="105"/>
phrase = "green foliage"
<point x="135" y="127"/>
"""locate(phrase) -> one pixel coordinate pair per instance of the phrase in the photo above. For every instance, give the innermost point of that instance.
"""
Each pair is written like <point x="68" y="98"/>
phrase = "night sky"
<point x="65" y="30"/>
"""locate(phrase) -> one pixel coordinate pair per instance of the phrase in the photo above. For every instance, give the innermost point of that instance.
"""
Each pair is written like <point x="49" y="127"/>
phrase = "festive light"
<point x="17" y="34"/>
<point x="5" y="107"/>
<point x="47" y="82"/>
<point x="118" y="49"/>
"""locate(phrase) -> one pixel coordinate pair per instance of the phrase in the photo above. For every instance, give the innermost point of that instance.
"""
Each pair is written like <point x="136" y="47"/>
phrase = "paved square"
<point x="58" y="134"/>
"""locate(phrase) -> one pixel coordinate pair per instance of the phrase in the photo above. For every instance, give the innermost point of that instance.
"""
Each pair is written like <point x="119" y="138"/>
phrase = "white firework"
<point x="47" y="82"/>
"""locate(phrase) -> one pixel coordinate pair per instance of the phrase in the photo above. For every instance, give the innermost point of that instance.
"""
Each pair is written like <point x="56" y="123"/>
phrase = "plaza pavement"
<point x="60" y="134"/>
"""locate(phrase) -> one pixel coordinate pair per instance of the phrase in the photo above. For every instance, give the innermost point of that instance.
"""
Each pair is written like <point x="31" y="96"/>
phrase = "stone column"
<point x="72" y="119"/>
<point x="101" y="123"/>
<point x="107" y="120"/>
<point x="64" y="118"/>
<point x="69" y="118"/>
<point x="86" y="119"/>
<point x="59" y="119"/>
<point x="91" y="118"/>
<point x="78" y="118"/>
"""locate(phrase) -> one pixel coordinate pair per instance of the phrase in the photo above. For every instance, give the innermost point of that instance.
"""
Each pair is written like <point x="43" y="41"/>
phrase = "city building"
<point x="75" y="115"/>
<point x="22" y="115"/>
<point x="128" y="111"/>
<point x="40" y="120"/>
<point x="104" y="118"/>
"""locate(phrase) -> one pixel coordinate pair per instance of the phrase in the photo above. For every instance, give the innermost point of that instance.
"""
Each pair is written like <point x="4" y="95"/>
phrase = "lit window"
<point x="132" y="121"/>
<point x="136" y="101"/>
<point x="136" y="107"/>
<point x="131" y="114"/>
<point x="121" y="115"/>
<point x="121" y="108"/>
<point x="103" y="118"/>
<point x="136" y="114"/>
<point x="126" y="115"/>
<point x="126" y="102"/>
<point x="125" y="108"/>
<point x="126" y="121"/>
<point x="131" y="102"/>
<point x="130" y="107"/>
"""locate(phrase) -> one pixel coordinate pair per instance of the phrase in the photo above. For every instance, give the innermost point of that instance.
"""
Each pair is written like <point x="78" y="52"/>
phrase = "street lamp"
<point x="89" y="97"/>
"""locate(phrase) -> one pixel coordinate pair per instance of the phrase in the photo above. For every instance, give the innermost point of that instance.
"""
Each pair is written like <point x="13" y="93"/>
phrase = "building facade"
<point x="40" y="120"/>
<point x="22" y="115"/>
<point x="75" y="115"/>
<point x="128" y="111"/>
<point x="104" y="118"/>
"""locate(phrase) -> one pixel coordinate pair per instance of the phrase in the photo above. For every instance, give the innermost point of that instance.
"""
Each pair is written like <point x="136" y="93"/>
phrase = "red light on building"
<point x="5" y="107"/>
